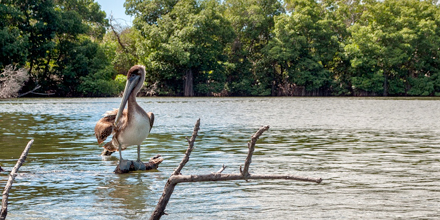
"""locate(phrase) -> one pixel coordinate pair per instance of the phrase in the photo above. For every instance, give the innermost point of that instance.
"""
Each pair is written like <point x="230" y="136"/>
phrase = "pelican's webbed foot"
<point x="124" y="165"/>
<point x="139" y="165"/>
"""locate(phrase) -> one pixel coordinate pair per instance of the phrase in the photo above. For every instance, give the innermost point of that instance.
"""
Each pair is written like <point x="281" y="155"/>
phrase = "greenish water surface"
<point x="379" y="158"/>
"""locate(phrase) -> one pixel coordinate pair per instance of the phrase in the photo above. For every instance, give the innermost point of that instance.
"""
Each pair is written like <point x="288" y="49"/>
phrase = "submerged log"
<point x="135" y="166"/>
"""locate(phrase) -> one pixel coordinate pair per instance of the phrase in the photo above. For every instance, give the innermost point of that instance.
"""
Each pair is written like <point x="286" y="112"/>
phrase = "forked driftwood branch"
<point x="176" y="177"/>
<point x="11" y="179"/>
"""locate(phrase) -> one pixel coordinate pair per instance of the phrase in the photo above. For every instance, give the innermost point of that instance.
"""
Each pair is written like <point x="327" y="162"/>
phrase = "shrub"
<point x="12" y="80"/>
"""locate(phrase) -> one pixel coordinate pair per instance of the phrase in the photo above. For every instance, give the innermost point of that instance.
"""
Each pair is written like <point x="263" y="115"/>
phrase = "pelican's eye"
<point x="136" y="72"/>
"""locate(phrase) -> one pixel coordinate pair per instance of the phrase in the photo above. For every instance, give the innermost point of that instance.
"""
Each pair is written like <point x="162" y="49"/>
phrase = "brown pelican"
<point x="130" y="126"/>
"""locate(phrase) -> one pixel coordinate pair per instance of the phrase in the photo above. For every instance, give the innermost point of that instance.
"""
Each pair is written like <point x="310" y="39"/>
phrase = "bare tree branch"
<point x="169" y="187"/>
<point x="189" y="150"/>
<point x="117" y="35"/>
<point x="176" y="177"/>
<point x="37" y="93"/>
<point x="224" y="177"/>
<point x="251" y="146"/>
<point x="12" y="176"/>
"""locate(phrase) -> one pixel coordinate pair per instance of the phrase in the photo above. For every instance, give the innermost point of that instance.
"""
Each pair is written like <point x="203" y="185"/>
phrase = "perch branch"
<point x="12" y="176"/>
<point x="176" y="177"/>
<point x="151" y="165"/>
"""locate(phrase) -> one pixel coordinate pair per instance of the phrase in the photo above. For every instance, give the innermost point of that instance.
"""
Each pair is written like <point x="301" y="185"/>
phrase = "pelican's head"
<point x="135" y="80"/>
<point x="132" y="76"/>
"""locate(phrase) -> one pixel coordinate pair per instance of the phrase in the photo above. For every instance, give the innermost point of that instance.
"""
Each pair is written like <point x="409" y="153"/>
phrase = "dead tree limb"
<point x="236" y="176"/>
<point x="36" y="93"/>
<point x="117" y="35"/>
<point x="12" y="176"/>
<point x="31" y="91"/>
<point x="244" y="174"/>
<point x="189" y="150"/>
<point x="251" y="146"/>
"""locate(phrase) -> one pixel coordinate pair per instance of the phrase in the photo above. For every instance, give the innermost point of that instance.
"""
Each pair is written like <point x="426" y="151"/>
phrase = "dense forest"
<point x="227" y="47"/>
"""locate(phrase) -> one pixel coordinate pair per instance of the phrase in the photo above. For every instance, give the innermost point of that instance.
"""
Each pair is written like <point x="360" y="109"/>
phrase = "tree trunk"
<point x="189" y="90"/>
<point x="385" y="84"/>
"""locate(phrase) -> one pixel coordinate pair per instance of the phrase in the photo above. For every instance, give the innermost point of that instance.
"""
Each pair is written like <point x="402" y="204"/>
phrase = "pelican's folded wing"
<point x="104" y="128"/>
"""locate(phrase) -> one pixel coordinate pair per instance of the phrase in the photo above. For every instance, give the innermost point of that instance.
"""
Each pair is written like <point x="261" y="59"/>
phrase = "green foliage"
<point x="369" y="82"/>
<point x="57" y="41"/>
<point x="189" y="37"/>
<point x="91" y="71"/>
<point x="421" y="86"/>
<point x="249" y="73"/>
<point x="303" y="46"/>
<point x="398" y="38"/>
<point x="230" y="47"/>
<point x="12" y="47"/>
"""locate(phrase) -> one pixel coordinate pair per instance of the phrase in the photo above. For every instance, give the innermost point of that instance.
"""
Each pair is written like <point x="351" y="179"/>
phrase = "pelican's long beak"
<point x="131" y="84"/>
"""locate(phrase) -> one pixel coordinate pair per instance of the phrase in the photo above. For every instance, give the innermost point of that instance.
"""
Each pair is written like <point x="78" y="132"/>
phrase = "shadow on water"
<point x="379" y="159"/>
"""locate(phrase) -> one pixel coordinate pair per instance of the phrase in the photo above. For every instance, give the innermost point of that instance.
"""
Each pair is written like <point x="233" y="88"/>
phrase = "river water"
<point x="379" y="159"/>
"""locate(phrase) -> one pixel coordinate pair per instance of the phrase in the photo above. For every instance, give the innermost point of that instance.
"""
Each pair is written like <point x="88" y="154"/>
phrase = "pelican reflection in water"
<point x="130" y="126"/>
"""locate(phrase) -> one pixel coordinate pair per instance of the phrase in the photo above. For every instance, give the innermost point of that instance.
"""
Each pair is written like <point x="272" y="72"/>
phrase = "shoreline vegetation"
<point x="216" y="48"/>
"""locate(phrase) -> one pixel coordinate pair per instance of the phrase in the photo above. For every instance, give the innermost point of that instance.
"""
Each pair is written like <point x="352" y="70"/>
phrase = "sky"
<point x="116" y="7"/>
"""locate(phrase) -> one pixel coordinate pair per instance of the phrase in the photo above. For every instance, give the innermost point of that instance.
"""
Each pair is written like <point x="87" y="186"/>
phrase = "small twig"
<point x="251" y="146"/>
<point x="189" y="150"/>
<point x="12" y="176"/>
<point x="221" y="170"/>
